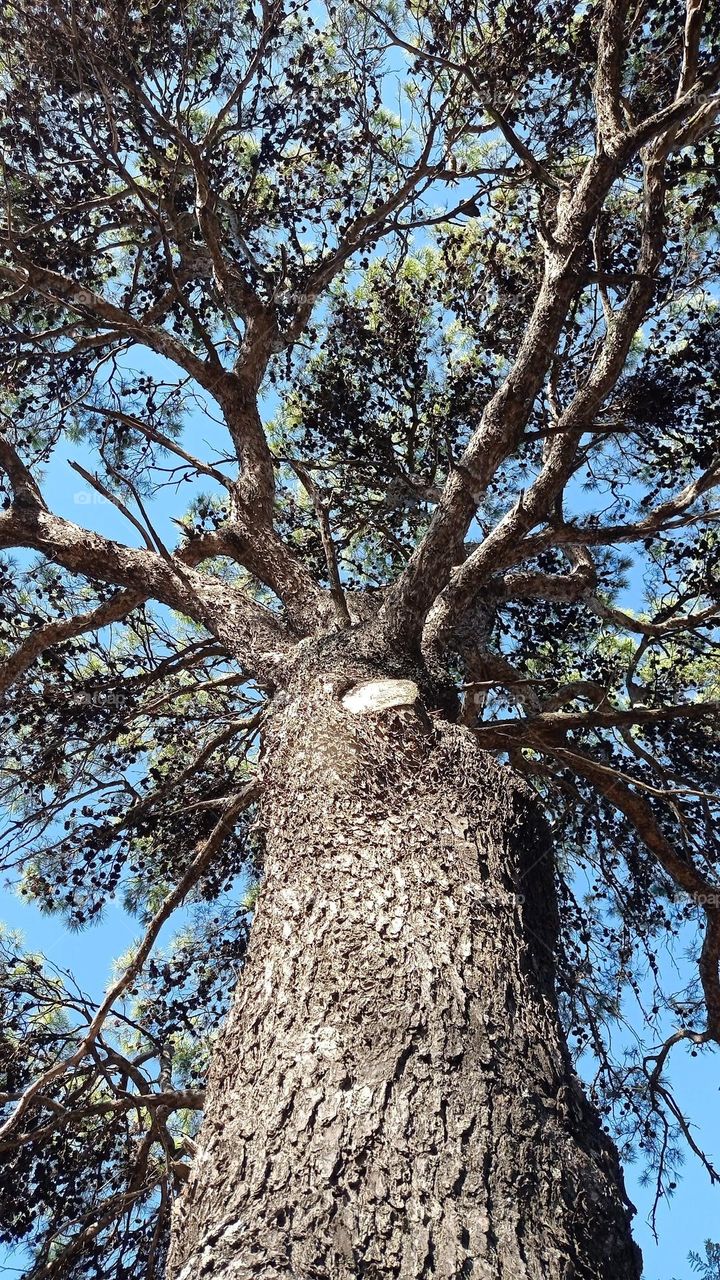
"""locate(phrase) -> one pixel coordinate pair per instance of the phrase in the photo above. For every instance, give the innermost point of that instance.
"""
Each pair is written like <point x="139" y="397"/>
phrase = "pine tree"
<point x="376" y="643"/>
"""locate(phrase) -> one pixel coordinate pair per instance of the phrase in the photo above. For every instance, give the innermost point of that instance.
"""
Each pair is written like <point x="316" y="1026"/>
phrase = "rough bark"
<point x="392" y="1095"/>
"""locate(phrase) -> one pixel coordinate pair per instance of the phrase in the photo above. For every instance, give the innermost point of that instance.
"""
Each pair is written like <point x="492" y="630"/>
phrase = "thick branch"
<point x="61" y="629"/>
<point x="563" y="721"/>
<point x="506" y="414"/>
<point x="248" y="630"/>
<point x="538" y="500"/>
<point x="611" y="48"/>
<point x="674" y="513"/>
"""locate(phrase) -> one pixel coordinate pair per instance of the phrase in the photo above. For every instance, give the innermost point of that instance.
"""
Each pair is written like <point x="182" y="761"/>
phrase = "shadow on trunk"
<point x="392" y="1095"/>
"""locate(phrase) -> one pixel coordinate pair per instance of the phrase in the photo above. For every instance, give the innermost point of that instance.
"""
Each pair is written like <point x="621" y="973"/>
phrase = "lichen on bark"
<point x="392" y="1095"/>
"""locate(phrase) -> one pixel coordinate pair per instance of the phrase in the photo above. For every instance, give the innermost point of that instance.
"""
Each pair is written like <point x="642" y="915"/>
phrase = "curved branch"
<point x="563" y="721"/>
<point x="248" y="630"/>
<point x="203" y="857"/>
<point x="61" y="629"/>
<point x="705" y="892"/>
<point x="537" y="501"/>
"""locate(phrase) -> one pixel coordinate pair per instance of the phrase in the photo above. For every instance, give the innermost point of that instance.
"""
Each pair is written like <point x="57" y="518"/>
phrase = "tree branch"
<point x="202" y="859"/>
<point x="249" y="631"/>
<point x="705" y="892"/>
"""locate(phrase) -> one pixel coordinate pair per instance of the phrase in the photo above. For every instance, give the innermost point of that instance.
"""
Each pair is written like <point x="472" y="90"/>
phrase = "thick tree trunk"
<point x="392" y="1096"/>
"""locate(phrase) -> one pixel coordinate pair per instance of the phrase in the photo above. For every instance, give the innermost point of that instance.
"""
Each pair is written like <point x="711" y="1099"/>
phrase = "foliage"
<point x="352" y="321"/>
<point x="709" y="1266"/>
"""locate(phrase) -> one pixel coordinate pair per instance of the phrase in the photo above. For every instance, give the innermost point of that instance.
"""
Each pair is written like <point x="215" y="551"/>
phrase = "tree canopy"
<point x="402" y="318"/>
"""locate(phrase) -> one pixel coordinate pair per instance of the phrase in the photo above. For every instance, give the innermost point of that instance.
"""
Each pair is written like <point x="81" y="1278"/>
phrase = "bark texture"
<point x="392" y="1095"/>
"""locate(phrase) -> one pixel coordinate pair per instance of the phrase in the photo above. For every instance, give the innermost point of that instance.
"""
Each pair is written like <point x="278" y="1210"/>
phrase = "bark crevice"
<point x="392" y="1096"/>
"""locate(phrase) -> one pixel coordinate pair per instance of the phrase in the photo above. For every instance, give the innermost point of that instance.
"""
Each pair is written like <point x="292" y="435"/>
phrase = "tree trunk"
<point x="392" y="1096"/>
